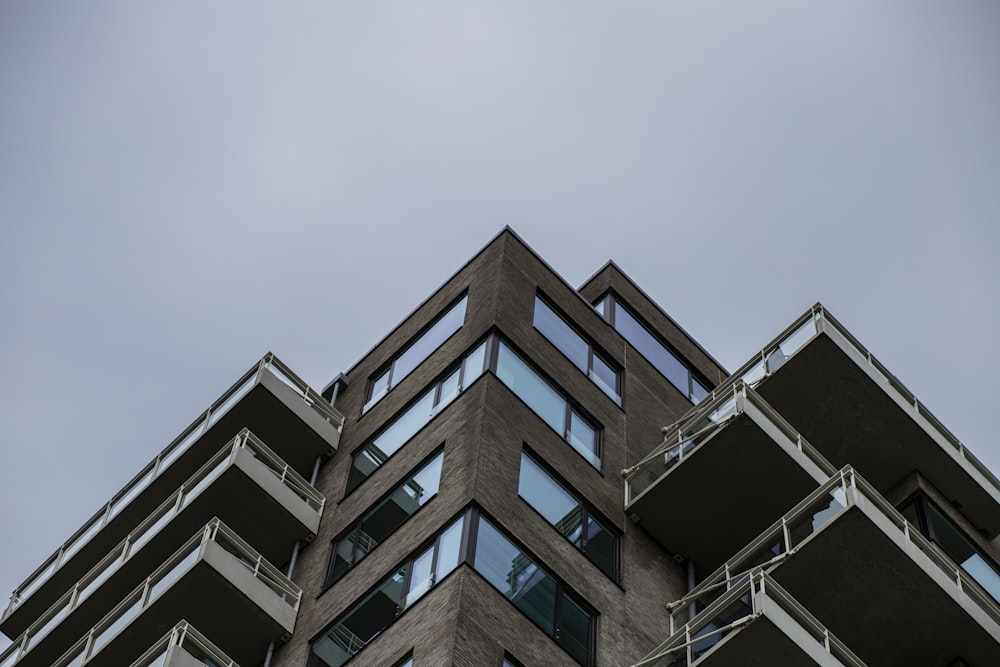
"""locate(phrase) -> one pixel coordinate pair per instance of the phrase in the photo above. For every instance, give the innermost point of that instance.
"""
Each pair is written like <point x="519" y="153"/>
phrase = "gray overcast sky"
<point x="188" y="185"/>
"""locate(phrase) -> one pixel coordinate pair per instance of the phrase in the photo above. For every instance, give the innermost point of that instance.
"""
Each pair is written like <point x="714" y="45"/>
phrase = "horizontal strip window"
<point x="394" y="595"/>
<point x="378" y="523"/>
<point x="577" y="349"/>
<point x="549" y="403"/>
<point x="658" y="353"/>
<point x="940" y="529"/>
<point x="544" y="599"/>
<point x="415" y="416"/>
<point x="508" y="661"/>
<point x="425" y="344"/>
<point x="496" y="355"/>
<point x="406" y="662"/>
<point x="570" y="516"/>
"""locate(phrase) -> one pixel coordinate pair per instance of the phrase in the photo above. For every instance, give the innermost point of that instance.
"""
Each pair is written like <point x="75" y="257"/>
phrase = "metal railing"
<point x="707" y="419"/>
<point x="739" y="606"/>
<point x="161" y="517"/>
<point x="192" y="642"/>
<point x="818" y="320"/>
<point x="149" y="590"/>
<point x="787" y="535"/>
<point x="268" y="364"/>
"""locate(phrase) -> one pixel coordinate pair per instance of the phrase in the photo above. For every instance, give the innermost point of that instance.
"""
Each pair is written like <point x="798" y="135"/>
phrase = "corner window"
<point x="570" y="516"/>
<point x="577" y="349"/>
<point x="413" y="354"/>
<point x="658" y="353"/>
<point x="378" y="523"/>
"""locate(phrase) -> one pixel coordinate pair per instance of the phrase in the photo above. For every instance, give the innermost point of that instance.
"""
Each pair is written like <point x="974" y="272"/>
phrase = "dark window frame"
<point x="592" y="349"/>
<point x="586" y="510"/>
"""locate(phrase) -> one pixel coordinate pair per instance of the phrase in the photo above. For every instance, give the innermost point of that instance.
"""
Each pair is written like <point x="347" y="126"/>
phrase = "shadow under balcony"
<point x="756" y="622"/>
<point x="216" y="582"/>
<point x="245" y="485"/>
<point x="729" y="471"/>
<point x="184" y="646"/>
<point x="855" y="412"/>
<point x="889" y="594"/>
<point x="268" y="399"/>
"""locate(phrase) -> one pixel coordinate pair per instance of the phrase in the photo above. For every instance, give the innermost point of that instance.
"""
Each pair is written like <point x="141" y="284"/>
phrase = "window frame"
<point x="592" y="349"/>
<point x="586" y="511"/>
<point x="371" y="400"/>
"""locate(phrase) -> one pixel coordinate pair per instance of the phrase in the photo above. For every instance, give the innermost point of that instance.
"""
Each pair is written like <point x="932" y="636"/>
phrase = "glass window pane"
<point x="449" y="390"/>
<point x="654" y="351"/>
<point x="583" y="437"/>
<point x="600" y="307"/>
<point x="516" y="576"/>
<point x="561" y="334"/>
<point x="602" y="547"/>
<point x="449" y="549"/>
<point x="420" y="577"/>
<point x="698" y="391"/>
<point x="424" y="484"/>
<point x="605" y="377"/>
<point x="475" y="364"/>
<point x="343" y="553"/>
<point x="544" y="494"/>
<point x="574" y="630"/>
<point x="961" y="549"/>
<point x="405" y="426"/>
<point x="379" y="388"/>
<point x="531" y="389"/>
<point x="428" y="342"/>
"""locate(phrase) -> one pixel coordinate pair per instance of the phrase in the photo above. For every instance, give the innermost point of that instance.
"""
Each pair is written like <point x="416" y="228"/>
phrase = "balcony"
<point x="854" y="411"/>
<point x="269" y="399"/>
<point x="754" y="622"/>
<point x="245" y="484"/>
<point x="713" y="448"/>
<point x="855" y="563"/>
<point x="216" y="581"/>
<point x="184" y="646"/>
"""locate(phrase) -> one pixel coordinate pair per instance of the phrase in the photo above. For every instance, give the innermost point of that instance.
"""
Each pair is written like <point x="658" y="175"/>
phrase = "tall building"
<point x="526" y="474"/>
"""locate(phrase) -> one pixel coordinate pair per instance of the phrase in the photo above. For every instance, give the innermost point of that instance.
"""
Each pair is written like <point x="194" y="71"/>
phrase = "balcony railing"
<point x="742" y="604"/>
<point x="702" y="423"/>
<point x="808" y="518"/>
<point x="186" y="639"/>
<point x="816" y="321"/>
<point x="152" y="525"/>
<point x="269" y="365"/>
<point x="148" y="592"/>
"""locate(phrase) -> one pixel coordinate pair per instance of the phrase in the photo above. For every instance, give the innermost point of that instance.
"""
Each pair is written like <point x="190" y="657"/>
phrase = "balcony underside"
<point x="770" y="640"/>
<point x="828" y="395"/>
<point x="246" y="497"/>
<point x="270" y="409"/>
<point x="892" y="609"/>
<point x="724" y="493"/>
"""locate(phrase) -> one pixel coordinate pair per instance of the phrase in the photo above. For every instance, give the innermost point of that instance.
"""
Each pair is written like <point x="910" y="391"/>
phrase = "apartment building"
<point x="524" y="473"/>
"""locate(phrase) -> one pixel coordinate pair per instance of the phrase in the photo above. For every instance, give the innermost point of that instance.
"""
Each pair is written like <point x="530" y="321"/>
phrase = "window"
<point x="383" y="519"/>
<point x="570" y="516"/>
<point x="927" y="517"/>
<point x="508" y="661"/>
<point x="577" y="349"/>
<point x="407" y="662"/>
<point x="656" y="352"/>
<point x="415" y="416"/>
<point x="492" y="354"/>
<point x="543" y="599"/>
<point x="550" y="404"/>
<point x="411" y="356"/>
<point x="380" y="607"/>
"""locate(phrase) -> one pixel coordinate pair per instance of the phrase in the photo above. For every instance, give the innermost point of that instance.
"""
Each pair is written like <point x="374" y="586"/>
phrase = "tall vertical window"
<point x="570" y="516"/>
<point x="379" y="608"/>
<point x="411" y="356"/>
<point x="925" y="515"/>
<point x="649" y="345"/>
<point x="383" y="519"/>
<point x="415" y="416"/>
<point x="577" y="349"/>
<point x="550" y="404"/>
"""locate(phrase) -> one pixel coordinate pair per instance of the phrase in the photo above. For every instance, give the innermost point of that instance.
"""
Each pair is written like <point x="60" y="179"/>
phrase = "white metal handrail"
<point x="161" y="517"/>
<point x="268" y="364"/>
<point x="184" y="636"/>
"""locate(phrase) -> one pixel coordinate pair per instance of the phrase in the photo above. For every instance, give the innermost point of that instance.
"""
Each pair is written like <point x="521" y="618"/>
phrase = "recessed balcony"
<point x="854" y="411"/>
<point x="269" y="399"/>
<point x="756" y="622"/>
<point x="245" y="484"/>
<point x="693" y="493"/>
<point x="216" y="581"/>
<point x="184" y="646"/>
<point x="855" y="563"/>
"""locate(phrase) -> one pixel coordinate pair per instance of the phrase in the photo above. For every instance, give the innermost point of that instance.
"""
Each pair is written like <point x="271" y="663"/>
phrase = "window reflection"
<point x="576" y="348"/>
